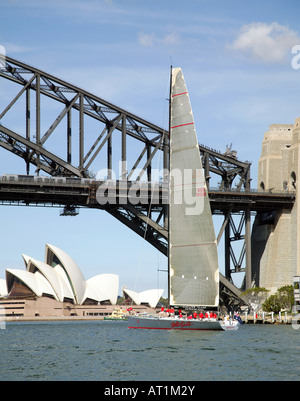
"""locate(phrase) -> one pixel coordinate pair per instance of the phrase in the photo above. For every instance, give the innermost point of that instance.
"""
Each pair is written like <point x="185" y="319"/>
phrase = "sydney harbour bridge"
<point x="71" y="134"/>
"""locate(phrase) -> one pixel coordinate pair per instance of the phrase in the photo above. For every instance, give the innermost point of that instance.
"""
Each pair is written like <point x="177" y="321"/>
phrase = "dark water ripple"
<point x="109" y="351"/>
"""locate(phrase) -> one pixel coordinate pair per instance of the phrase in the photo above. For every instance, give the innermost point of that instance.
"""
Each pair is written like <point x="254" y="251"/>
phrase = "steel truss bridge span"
<point x="68" y="131"/>
<point x="141" y="206"/>
<point x="38" y="94"/>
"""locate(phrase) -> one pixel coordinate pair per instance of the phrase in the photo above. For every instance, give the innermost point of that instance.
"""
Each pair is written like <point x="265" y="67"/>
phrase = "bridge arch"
<point x="88" y="131"/>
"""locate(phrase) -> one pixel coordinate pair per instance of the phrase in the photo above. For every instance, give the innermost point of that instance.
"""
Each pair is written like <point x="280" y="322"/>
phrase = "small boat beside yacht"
<point x="117" y="314"/>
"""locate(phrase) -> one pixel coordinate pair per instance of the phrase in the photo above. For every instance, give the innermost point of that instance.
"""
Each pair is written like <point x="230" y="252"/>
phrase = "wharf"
<point x="52" y="318"/>
<point x="270" y="318"/>
<point x="264" y="318"/>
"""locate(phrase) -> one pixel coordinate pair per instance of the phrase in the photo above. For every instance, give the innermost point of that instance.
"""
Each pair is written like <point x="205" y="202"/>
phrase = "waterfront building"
<point x="60" y="278"/>
<point x="56" y="288"/>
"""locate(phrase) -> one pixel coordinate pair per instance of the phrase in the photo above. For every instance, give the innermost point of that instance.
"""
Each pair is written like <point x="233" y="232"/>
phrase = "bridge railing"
<point x="253" y="191"/>
<point x="125" y="184"/>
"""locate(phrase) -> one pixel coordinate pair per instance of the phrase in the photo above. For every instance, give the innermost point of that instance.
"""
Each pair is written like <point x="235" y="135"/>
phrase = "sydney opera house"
<point x="57" y="287"/>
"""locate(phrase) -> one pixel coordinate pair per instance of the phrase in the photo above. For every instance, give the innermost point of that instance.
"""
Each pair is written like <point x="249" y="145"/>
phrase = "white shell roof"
<point x="35" y="282"/>
<point x="73" y="272"/>
<point x="68" y="292"/>
<point x="64" y="280"/>
<point x="58" y="283"/>
<point x="3" y="287"/>
<point x="150" y="297"/>
<point x="103" y="287"/>
<point x="25" y="258"/>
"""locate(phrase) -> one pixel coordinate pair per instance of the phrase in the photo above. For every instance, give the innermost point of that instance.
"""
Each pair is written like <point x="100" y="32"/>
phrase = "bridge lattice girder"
<point x="111" y="121"/>
<point x="88" y="144"/>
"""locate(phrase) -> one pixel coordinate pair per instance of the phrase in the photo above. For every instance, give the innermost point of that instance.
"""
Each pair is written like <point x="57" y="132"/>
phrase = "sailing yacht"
<point x="193" y="260"/>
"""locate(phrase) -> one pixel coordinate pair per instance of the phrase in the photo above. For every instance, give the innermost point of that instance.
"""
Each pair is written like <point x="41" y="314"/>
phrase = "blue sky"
<point x="237" y="61"/>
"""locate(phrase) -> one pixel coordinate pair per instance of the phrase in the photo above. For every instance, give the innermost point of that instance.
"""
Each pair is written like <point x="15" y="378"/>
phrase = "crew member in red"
<point x="201" y="316"/>
<point x="206" y="315"/>
<point x="195" y="315"/>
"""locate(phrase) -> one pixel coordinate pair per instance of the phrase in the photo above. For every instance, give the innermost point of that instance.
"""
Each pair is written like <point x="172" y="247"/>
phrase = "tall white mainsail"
<point x="193" y="259"/>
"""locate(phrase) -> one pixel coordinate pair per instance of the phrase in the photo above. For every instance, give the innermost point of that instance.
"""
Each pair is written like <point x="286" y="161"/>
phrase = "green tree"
<point x="283" y="299"/>
<point x="272" y="304"/>
<point x="286" y="296"/>
<point x="120" y="300"/>
<point x="163" y="301"/>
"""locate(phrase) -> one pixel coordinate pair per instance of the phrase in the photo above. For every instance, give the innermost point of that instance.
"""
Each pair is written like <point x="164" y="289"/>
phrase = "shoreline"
<point x="250" y="319"/>
<point x="51" y="318"/>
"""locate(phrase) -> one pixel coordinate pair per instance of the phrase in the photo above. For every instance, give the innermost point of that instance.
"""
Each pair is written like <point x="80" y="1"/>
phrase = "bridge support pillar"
<point x="248" y="275"/>
<point x="276" y="235"/>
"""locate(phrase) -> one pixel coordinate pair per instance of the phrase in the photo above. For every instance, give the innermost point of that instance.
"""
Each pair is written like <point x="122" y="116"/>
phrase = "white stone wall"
<point x="275" y="250"/>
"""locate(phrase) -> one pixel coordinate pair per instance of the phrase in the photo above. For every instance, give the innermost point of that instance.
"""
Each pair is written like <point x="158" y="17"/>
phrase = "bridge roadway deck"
<point x="61" y="191"/>
<point x="135" y="197"/>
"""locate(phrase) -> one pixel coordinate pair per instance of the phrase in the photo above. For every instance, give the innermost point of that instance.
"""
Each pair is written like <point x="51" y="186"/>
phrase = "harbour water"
<point x="109" y="351"/>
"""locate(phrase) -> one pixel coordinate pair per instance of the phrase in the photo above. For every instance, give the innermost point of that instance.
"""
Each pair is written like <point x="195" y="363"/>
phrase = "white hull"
<point x="230" y="326"/>
<point x="170" y="323"/>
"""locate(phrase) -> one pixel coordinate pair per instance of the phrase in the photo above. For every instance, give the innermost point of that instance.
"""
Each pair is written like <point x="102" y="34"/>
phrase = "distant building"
<point x="59" y="278"/>
<point x="148" y="298"/>
<point x="55" y="287"/>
